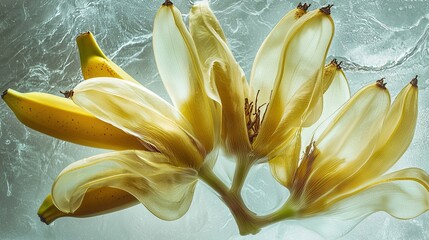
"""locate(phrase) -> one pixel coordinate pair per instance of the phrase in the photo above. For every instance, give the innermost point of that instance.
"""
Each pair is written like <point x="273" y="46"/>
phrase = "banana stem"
<point x="241" y="170"/>
<point x="244" y="218"/>
<point x="247" y="221"/>
<point x="287" y="211"/>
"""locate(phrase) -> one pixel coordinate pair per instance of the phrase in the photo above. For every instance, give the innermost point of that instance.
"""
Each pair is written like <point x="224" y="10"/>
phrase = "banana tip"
<point x="327" y="9"/>
<point x="83" y="34"/>
<point x="380" y="83"/>
<point x="167" y="3"/>
<point x="67" y="94"/>
<point x="42" y="219"/>
<point x="414" y="81"/>
<point x="4" y="93"/>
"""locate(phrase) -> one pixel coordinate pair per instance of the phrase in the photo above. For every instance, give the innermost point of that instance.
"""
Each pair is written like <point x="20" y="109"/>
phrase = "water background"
<point x="383" y="38"/>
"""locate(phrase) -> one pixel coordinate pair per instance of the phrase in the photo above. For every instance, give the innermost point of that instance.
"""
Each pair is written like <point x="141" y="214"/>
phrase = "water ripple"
<point x="349" y="65"/>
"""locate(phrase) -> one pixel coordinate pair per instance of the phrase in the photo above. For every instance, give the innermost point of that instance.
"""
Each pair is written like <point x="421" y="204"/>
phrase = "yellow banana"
<point x="61" y="118"/>
<point x="96" y="202"/>
<point x="94" y="62"/>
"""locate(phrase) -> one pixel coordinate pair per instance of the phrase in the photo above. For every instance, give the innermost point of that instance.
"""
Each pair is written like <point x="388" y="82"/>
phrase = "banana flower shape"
<point x="178" y="139"/>
<point x="341" y="171"/>
<point x="290" y="92"/>
<point x="204" y="83"/>
<point x="211" y="109"/>
<point x="340" y="176"/>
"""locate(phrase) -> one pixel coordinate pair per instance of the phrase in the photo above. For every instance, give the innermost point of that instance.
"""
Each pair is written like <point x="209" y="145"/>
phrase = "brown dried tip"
<point x="43" y="220"/>
<point x="167" y="3"/>
<point x="4" y="93"/>
<point x="336" y="63"/>
<point x="67" y="94"/>
<point x="381" y="83"/>
<point x="303" y="7"/>
<point x="414" y="81"/>
<point x="327" y="9"/>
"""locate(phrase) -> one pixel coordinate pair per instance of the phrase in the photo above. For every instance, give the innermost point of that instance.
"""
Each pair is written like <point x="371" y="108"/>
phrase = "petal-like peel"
<point x="180" y="71"/>
<point x="298" y="84"/>
<point x="266" y="64"/>
<point x="141" y="113"/>
<point x="343" y="146"/>
<point x="164" y="189"/>
<point x="225" y="80"/>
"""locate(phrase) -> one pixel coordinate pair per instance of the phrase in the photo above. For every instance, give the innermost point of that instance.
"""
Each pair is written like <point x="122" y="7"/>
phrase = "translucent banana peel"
<point x="166" y="190"/>
<point x="335" y="172"/>
<point x="225" y="81"/>
<point x="297" y="84"/>
<point x="181" y="72"/>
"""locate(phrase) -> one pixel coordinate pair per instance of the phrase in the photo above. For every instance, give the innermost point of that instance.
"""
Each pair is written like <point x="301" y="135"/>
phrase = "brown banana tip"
<point x="414" y="81"/>
<point x="327" y="9"/>
<point x="42" y="219"/>
<point x="336" y="63"/>
<point x="380" y="83"/>
<point x="303" y="7"/>
<point x="167" y="3"/>
<point x="67" y="94"/>
<point x="4" y="93"/>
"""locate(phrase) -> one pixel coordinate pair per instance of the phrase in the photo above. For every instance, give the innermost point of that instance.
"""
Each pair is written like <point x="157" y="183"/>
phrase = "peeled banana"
<point x="96" y="202"/>
<point x="61" y="118"/>
<point x="94" y="62"/>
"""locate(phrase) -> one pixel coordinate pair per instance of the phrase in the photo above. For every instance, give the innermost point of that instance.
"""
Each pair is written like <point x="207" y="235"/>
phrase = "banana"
<point x="96" y="202"/>
<point x="94" y="62"/>
<point x="61" y="118"/>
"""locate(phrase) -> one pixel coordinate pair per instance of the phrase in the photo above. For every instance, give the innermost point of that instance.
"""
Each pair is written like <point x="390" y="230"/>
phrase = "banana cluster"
<point x="59" y="117"/>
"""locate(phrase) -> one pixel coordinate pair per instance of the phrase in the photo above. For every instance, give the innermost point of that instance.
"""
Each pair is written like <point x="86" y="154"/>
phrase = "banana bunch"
<point x="59" y="117"/>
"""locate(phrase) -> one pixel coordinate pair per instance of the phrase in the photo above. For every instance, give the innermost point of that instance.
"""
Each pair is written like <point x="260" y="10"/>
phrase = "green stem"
<point x="287" y="211"/>
<point x="241" y="170"/>
<point x="247" y="221"/>
<point x="242" y="215"/>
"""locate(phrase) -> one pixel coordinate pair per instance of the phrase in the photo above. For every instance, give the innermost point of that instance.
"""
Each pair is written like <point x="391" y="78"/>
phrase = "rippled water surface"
<point x="374" y="39"/>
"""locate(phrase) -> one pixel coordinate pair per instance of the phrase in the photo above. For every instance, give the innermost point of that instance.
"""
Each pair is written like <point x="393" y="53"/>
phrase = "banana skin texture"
<point x="61" y="118"/>
<point x="94" y="62"/>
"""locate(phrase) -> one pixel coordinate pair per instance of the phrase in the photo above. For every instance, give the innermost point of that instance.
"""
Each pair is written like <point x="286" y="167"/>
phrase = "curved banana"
<point x="96" y="202"/>
<point x="61" y="118"/>
<point x="94" y="62"/>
